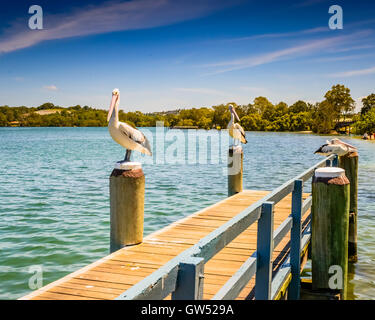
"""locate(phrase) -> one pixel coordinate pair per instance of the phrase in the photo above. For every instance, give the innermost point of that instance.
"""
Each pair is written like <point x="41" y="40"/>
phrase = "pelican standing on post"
<point x="235" y="130"/>
<point x="335" y="146"/>
<point x="125" y="135"/>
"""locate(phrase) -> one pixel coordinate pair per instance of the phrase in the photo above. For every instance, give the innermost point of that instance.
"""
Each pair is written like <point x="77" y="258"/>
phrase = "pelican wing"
<point x="136" y="135"/>
<point x="328" y="149"/>
<point x="132" y="133"/>
<point x="345" y="144"/>
<point x="242" y="131"/>
<point x="320" y="150"/>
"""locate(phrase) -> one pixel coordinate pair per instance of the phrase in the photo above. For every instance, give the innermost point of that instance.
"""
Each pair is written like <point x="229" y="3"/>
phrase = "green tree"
<point x="269" y="112"/>
<point x="248" y="109"/>
<point x="33" y="120"/>
<point x="300" y="121"/>
<point x="221" y="116"/>
<point x="324" y="116"/>
<point x="261" y="104"/>
<point x="186" y="122"/>
<point x="299" y="106"/>
<point x="171" y="119"/>
<point x="77" y="107"/>
<point x="368" y="103"/>
<point x="262" y="115"/>
<point x="281" y="109"/>
<point x="252" y="122"/>
<point x="367" y="122"/>
<point x="282" y="123"/>
<point x="3" y="120"/>
<point x="340" y="99"/>
<point x="46" y="106"/>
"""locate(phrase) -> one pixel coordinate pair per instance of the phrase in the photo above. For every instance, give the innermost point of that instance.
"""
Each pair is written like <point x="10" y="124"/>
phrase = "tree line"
<point x="261" y="115"/>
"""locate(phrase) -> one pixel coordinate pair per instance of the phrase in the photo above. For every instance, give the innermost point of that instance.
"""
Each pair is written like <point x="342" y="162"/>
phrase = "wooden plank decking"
<point x="108" y="277"/>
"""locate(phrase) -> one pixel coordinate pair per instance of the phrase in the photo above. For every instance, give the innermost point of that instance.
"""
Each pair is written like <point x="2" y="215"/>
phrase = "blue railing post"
<point x="263" y="279"/>
<point x="190" y="277"/>
<point x="295" y="241"/>
<point x="335" y="161"/>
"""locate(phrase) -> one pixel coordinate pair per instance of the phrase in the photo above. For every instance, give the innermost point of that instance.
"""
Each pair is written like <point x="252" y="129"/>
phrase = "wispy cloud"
<point x="353" y="48"/>
<point x="51" y="87"/>
<point x="353" y="73"/>
<point x="344" y="58"/>
<point x="283" y="34"/>
<point x="303" y="33"/>
<point x="108" y="17"/>
<point x="306" y="48"/>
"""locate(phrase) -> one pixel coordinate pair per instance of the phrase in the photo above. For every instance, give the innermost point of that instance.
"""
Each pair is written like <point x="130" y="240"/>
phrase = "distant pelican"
<point x="125" y="135"/>
<point x="335" y="146"/>
<point x="235" y="130"/>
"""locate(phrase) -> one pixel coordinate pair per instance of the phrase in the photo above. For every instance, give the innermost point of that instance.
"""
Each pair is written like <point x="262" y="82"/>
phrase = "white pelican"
<point x="335" y="146"/>
<point x="124" y="134"/>
<point x="235" y="130"/>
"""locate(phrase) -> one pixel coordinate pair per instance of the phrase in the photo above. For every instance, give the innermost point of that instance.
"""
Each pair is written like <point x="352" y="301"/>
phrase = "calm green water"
<point x="54" y="198"/>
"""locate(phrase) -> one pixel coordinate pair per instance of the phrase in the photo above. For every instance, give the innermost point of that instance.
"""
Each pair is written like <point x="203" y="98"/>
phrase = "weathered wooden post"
<point x="330" y="227"/>
<point x="127" y="193"/>
<point x="349" y="163"/>
<point x="235" y="170"/>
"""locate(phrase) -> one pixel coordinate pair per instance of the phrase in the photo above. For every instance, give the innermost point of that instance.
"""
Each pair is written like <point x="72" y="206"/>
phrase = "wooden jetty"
<point x="251" y="245"/>
<point x="112" y="275"/>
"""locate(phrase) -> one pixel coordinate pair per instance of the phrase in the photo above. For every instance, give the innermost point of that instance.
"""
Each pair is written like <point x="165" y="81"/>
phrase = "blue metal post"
<point x="190" y="280"/>
<point x="295" y="241"/>
<point x="335" y="162"/>
<point x="263" y="278"/>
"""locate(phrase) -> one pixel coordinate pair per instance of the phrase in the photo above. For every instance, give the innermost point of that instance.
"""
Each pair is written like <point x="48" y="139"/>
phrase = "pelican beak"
<point x="113" y="102"/>
<point x="236" y="115"/>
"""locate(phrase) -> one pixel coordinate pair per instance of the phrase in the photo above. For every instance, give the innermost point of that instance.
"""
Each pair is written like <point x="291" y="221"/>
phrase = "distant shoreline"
<point x="194" y="128"/>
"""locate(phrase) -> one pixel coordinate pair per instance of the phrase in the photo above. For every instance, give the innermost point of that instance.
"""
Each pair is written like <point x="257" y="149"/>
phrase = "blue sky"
<point x="168" y="54"/>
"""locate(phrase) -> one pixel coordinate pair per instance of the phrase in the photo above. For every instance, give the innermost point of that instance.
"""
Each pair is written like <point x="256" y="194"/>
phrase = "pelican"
<point x="125" y="135"/>
<point x="235" y="130"/>
<point x="335" y="146"/>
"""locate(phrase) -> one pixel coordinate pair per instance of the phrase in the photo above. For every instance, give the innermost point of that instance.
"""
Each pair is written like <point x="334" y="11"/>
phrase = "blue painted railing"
<point x="183" y="275"/>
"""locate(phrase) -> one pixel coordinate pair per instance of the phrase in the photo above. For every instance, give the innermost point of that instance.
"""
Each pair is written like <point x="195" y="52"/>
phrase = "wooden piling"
<point x="330" y="227"/>
<point x="127" y="191"/>
<point x="349" y="163"/>
<point x="235" y="170"/>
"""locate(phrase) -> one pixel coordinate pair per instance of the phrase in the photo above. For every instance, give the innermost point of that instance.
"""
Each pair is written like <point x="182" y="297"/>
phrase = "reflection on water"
<point x="54" y="195"/>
